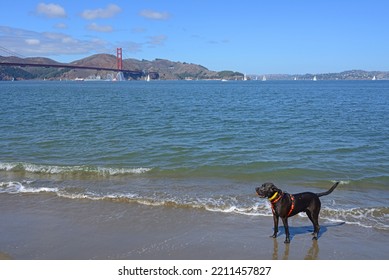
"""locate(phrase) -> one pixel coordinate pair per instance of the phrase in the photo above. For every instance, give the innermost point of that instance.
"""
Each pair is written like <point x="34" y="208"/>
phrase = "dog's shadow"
<point x="293" y="231"/>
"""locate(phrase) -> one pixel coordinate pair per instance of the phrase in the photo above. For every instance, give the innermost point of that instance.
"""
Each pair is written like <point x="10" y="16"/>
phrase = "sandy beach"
<point x="49" y="227"/>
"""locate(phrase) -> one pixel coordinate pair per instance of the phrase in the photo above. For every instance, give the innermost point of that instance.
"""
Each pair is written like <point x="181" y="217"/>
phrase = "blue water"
<point x="200" y="144"/>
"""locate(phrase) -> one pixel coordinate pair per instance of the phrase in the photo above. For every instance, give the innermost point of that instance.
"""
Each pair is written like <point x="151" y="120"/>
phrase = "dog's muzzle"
<point x="260" y="193"/>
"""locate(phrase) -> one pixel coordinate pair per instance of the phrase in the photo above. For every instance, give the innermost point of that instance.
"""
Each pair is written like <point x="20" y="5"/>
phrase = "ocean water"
<point x="200" y="145"/>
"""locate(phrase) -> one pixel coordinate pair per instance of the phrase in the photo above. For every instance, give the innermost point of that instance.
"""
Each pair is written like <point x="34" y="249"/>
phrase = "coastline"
<point x="52" y="228"/>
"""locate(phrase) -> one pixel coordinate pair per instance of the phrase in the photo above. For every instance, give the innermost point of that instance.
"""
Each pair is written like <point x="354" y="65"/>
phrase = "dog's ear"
<point x="274" y="188"/>
<point x="267" y="185"/>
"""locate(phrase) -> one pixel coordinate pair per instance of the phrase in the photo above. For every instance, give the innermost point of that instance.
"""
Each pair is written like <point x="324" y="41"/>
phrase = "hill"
<point x="345" y="75"/>
<point x="166" y="69"/>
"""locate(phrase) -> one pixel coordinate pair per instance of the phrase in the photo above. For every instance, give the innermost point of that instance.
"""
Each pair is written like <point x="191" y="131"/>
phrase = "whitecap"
<point x="58" y="169"/>
<point x="17" y="187"/>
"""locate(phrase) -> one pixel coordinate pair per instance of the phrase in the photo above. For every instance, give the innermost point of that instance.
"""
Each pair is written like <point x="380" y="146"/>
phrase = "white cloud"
<point x="149" y="14"/>
<point x="49" y="43"/>
<point x="99" y="28"/>
<point x="158" y="40"/>
<point x="216" y="42"/>
<point x="60" y="45"/>
<point x="50" y="10"/>
<point x="138" y="30"/>
<point x="61" y="26"/>
<point x="52" y="35"/>
<point x="133" y="47"/>
<point x="69" y="40"/>
<point x="32" y="42"/>
<point x="110" y="11"/>
<point x="130" y="46"/>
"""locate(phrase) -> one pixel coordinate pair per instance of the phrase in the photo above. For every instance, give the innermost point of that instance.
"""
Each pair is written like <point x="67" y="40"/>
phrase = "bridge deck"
<point x="71" y="66"/>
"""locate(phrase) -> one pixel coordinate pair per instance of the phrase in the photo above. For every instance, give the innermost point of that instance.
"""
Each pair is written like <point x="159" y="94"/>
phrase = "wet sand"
<point x="45" y="227"/>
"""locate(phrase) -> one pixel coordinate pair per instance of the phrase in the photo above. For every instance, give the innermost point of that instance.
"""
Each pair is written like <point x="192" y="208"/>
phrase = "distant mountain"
<point x="165" y="69"/>
<point x="355" y="75"/>
<point x="169" y="70"/>
<point x="28" y="73"/>
<point x="345" y="75"/>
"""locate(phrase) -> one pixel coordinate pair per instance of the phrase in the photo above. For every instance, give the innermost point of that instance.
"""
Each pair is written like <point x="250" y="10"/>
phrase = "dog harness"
<point x="274" y="199"/>
<point x="292" y="206"/>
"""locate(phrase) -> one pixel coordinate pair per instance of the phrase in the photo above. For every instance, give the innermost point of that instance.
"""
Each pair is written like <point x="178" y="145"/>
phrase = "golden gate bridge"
<point x="119" y="65"/>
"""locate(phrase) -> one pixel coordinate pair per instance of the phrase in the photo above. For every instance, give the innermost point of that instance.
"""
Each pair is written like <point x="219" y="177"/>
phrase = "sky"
<point x="251" y="36"/>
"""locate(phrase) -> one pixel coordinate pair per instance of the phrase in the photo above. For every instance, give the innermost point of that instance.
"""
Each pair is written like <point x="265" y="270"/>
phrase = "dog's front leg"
<point x="286" y="226"/>
<point x="275" y="220"/>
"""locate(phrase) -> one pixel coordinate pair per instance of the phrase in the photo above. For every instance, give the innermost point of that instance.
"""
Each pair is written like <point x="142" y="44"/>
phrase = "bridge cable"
<point x="9" y="52"/>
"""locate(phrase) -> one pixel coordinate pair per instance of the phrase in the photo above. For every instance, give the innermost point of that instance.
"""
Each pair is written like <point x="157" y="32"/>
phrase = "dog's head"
<point x="267" y="190"/>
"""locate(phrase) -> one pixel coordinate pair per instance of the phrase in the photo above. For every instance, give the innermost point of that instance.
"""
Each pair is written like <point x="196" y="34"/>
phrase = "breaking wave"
<point x="373" y="217"/>
<point x="77" y="169"/>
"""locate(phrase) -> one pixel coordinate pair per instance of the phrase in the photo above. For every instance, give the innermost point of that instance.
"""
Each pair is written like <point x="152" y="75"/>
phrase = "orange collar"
<point x="292" y="206"/>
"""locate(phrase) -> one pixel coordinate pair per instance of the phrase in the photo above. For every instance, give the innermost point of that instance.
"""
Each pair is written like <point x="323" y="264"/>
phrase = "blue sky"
<point x="252" y="36"/>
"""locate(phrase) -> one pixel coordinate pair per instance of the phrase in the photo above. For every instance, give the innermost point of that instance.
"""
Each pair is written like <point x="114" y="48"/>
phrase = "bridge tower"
<point x="119" y="60"/>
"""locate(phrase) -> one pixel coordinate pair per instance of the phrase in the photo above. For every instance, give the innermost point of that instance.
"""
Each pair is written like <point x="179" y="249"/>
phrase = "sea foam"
<point x="72" y="169"/>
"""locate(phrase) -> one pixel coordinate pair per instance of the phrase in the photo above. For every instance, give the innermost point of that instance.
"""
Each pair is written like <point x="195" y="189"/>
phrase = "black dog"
<point x="285" y="205"/>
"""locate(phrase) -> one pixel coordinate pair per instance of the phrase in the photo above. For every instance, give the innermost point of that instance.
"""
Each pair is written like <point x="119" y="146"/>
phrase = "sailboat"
<point x="244" y="77"/>
<point x="314" y="78"/>
<point x="374" y="78"/>
<point x="148" y="78"/>
<point x="263" y="78"/>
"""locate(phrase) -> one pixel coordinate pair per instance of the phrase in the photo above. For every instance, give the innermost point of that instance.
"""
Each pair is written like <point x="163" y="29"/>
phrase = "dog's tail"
<point x="329" y="191"/>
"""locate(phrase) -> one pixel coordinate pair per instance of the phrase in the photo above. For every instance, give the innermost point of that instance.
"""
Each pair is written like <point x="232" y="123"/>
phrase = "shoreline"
<point x="52" y="228"/>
